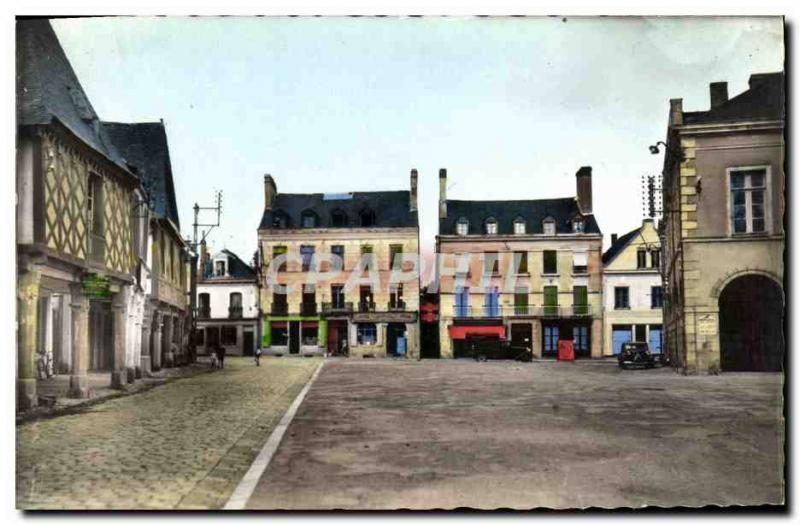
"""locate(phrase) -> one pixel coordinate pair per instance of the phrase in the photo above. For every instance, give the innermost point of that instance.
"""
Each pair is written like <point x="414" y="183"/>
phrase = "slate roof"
<point x="534" y="212"/>
<point x="237" y="268"/>
<point x="391" y="208"/>
<point x="764" y="100"/>
<point x="48" y="89"/>
<point x="144" y="147"/>
<point x="620" y="245"/>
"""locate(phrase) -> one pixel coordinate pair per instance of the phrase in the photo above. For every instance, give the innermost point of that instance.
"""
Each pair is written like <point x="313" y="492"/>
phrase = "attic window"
<point x="338" y="219"/>
<point x="491" y="226"/>
<point x="219" y="268"/>
<point x="367" y="218"/>
<point x="309" y="219"/>
<point x="280" y="220"/>
<point x="577" y="225"/>
<point x="462" y="226"/>
<point x="549" y="226"/>
<point x="519" y="226"/>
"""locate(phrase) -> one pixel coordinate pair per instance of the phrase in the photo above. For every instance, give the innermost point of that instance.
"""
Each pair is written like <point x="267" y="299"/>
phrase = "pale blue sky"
<point x="511" y="107"/>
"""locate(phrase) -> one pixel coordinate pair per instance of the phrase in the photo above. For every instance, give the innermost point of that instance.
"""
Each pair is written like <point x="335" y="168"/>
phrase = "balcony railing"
<point x="235" y="312"/>
<point x="523" y="310"/>
<point x="366" y="306"/>
<point x="204" y="312"/>
<point x="337" y="307"/>
<point x="308" y="308"/>
<point x="396" y="306"/>
<point x="279" y="309"/>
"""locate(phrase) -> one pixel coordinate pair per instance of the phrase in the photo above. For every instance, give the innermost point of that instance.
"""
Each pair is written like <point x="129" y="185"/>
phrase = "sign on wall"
<point x="95" y="285"/>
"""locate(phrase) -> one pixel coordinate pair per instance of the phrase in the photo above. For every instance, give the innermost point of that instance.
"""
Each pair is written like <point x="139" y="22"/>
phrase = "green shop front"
<point x="295" y="335"/>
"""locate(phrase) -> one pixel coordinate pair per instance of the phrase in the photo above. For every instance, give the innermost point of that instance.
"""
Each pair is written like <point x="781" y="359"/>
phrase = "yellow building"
<point x="632" y="309"/>
<point x="525" y="270"/>
<point x="340" y="272"/>
<point x="724" y="199"/>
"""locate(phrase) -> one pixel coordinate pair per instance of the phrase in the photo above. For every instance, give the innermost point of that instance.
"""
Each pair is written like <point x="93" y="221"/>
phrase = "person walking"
<point x="221" y="355"/>
<point x="258" y="356"/>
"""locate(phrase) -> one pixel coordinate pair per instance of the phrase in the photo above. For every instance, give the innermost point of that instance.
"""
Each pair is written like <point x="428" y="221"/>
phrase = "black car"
<point x="638" y="355"/>
<point x="484" y="349"/>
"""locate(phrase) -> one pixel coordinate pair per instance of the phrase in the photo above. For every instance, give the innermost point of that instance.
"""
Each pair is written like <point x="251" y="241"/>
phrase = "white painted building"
<point x="227" y="301"/>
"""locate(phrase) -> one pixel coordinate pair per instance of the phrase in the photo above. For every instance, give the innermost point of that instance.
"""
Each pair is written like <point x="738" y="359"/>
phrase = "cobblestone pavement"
<point x="376" y="434"/>
<point x="182" y="445"/>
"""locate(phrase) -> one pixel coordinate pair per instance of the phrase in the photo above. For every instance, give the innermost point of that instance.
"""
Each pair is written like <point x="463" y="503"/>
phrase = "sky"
<point x="512" y="107"/>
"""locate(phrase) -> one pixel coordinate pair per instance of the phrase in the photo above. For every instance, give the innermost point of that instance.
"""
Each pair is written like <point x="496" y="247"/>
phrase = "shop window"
<point x="280" y="335"/>
<point x="228" y="335"/>
<point x="367" y="333"/>
<point x="550" y="336"/>
<point x="309" y="335"/>
<point x="580" y="337"/>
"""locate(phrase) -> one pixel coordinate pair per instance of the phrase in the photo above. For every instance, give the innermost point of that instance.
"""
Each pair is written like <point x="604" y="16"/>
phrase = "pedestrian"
<point x="221" y="356"/>
<point x="258" y="356"/>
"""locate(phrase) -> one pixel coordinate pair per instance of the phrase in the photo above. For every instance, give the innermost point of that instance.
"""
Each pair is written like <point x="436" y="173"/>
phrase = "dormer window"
<point x="338" y="219"/>
<point x="219" y="268"/>
<point x="549" y="226"/>
<point x="309" y="219"/>
<point x="366" y="218"/>
<point x="462" y="226"/>
<point x="578" y="225"/>
<point x="280" y="220"/>
<point x="519" y="226"/>
<point x="491" y="226"/>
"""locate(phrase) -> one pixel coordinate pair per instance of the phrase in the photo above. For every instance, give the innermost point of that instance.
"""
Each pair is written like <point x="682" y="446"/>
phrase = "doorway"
<point x="337" y="338"/>
<point x="294" y="337"/>
<point x="522" y="335"/>
<point x="395" y="339"/>
<point x="247" y="343"/>
<point x="101" y="336"/>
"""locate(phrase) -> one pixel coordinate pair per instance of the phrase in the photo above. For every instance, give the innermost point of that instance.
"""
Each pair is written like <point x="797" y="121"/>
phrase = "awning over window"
<point x="278" y="324"/>
<point x="310" y="324"/>
<point x="462" y="332"/>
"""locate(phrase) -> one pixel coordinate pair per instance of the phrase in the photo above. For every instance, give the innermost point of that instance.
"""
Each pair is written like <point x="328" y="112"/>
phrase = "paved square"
<point x="447" y="434"/>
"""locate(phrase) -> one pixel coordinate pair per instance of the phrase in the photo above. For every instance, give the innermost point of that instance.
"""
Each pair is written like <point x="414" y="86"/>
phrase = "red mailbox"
<point x="566" y="350"/>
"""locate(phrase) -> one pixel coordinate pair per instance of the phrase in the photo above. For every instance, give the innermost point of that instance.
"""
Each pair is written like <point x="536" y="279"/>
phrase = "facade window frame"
<point x="748" y="190"/>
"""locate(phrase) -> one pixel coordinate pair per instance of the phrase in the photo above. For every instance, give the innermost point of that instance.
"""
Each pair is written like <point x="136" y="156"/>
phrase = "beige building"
<point x="724" y="191"/>
<point x="340" y="272"/>
<point x="525" y="270"/>
<point x="633" y="295"/>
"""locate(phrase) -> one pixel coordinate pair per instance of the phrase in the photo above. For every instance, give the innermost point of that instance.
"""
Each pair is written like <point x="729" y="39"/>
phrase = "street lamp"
<point x="654" y="148"/>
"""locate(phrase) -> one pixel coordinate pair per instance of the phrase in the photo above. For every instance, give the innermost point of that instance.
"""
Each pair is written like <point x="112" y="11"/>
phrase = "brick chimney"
<point x="583" y="180"/>
<point x="442" y="193"/>
<point x="676" y="112"/>
<point x="719" y="93"/>
<point x="412" y="203"/>
<point x="270" y="190"/>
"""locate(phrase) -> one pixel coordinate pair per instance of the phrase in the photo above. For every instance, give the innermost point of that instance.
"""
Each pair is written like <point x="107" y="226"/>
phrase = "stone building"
<point x="228" y="311"/>
<point x="724" y="232"/>
<point x="525" y="270"/>
<point x="346" y="266"/>
<point x="633" y="295"/>
<point x="163" y="268"/>
<point x="77" y="202"/>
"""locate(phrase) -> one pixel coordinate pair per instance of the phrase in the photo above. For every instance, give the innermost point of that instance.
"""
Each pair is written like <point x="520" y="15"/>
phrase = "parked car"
<point x="484" y="349"/>
<point x="638" y="355"/>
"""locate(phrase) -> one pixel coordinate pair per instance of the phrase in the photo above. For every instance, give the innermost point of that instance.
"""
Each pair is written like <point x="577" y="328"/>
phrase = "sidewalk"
<point x="100" y="382"/>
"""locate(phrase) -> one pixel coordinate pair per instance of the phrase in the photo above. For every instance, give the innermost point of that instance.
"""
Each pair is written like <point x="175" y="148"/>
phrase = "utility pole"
<point x="194" y="244"/>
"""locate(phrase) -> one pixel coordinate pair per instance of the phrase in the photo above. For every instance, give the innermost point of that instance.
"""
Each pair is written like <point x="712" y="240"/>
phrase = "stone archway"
<point x="751" y="324"/>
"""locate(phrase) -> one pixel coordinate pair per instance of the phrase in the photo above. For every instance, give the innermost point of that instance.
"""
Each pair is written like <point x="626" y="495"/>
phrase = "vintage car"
<point x="638" y="355"/>
<point x="484" y="349"/>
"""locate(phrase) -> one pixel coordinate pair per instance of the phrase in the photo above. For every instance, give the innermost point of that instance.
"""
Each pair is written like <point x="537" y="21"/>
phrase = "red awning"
<point x="278" y="324"/>
<point x="310" y="324"/>
<point x="462" y="332"/>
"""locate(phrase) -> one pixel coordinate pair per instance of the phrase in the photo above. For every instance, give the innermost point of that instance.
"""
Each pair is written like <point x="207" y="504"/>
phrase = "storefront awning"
<point x="462" y="332"/>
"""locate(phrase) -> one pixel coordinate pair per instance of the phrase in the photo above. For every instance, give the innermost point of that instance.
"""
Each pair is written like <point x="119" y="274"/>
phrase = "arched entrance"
<point x="751" y="324"/>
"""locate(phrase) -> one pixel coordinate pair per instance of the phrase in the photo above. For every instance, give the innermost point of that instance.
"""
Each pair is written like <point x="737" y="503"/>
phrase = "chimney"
<point x="442" y="193"/>
<point x="613" y="238"/>
<point x="412" y="203"/>
<point x="270" y="190"/>
<point x="676" y="112"/>
<point x="719" y="93"/>
<point x="583" y="181"/>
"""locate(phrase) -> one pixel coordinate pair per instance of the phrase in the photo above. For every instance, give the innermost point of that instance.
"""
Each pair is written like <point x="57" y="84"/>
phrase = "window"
<point x="280" y="334"/>
<point x="641" y="258"/>
<point x="621" y="299"/>
<point x="367" y="218"/>
<point x="655" y="258"/>
<point x="309" y="335"/>
<point x="365" y="298"/>
<point x="200" y="338"/>
<point x="550" y="340"/>
<point x="519" y="226"/>
<point x="549" y="226"/>
<point x="219" y="268"/>
<point x="235" y="299"/>
<point x="462" y="226"/>
<point x="228" y="336"/>
<point x="491" y="263"/>
<point x="337" y="295"/>
<point x="277" y="251"/>
<point x="577" y="225"/>
<point x="656" y="297"/>
<point x="491" y="302"/>
<point x="367" y="333"/>
<point x="95" y="204"/>
<point x="580" y="335"/>
<point x="491" y="226"/>
<point x="550" y="300"/>
<point x="521" y="262"/>
<point x="337" y="252"/>
<point x="580" y="263"/>
<point x="396" y="296"/>
<point x="394" y="251"/>
<point x="462" y="301"/>
<point x="748" y="190"/>
<point x="550" y="262"/>
<point x="580" y="300"/>
<point x="280" y="306"/>
<point x="366" y="248"/>
<point x="309" y="219"/>
<point x="307" y="255"/>
<point x="521" y="301"/>
<point x="338" y="219"/>
<point x="204" y="305"/>
<point x="280" y="220"/>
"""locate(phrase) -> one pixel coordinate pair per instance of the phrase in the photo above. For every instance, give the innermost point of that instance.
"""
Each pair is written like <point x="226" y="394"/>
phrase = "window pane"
<point x="738" y="197"/>
<point x="757" y="197"/>
<point x="757" y="179"/>
<point x="739" y="225"/>
<point x="737" y="180"/>
<point x="758" y="211"/>
<point x="739" y="212"/>
<point x="758" y="225"/>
